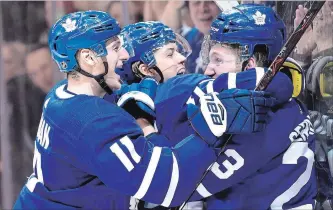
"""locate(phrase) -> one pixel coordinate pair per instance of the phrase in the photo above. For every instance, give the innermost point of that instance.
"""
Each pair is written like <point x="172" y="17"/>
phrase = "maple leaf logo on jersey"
<point x="69" y="25"/>
<point x="259" y="18"/>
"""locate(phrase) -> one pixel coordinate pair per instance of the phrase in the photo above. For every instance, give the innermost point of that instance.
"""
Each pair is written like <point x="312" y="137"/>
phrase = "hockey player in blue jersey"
<point x="280" y="174"/>
<point x="277" y="171"/>
<point x="87" y="149"/>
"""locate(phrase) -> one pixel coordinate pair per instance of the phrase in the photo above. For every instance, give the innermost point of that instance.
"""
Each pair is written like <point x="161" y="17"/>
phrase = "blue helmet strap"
<point x="99" y="78"/>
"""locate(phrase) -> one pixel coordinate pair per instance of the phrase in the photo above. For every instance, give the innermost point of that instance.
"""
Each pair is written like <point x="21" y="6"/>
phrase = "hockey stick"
<point x="289" y="45"/>
<point x="274" y="68"/>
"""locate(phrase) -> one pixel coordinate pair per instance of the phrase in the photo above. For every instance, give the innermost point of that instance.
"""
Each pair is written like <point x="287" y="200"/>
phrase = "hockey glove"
<point x="138" y="98"/>
<point x="234" y="111"/>
<point x="281" y="87"/>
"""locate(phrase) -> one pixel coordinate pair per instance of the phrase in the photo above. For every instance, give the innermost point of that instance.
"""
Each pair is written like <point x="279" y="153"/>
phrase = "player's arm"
<point x="129" y="163"/>
<point x="281" y="86"/>
<point x="246" y="154"/>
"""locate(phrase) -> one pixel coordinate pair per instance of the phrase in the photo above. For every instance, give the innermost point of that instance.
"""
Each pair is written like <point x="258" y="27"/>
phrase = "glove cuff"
<point x="137" y="96"/>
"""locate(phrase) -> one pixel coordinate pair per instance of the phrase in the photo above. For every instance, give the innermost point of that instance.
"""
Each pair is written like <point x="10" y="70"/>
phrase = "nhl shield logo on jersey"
<point x="259" y="18"/>
<point x="69" y="25"/>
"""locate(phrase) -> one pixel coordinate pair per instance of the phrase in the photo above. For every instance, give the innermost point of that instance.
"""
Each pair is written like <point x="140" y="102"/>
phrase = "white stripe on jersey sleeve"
<point x="31" y="184"/>
<point x="203" y="191"/>
<point x="130" y="146"/>
<point x="147" y="179"/>
<point x="122" y="156"/>
<point x="231" y="80"/>
<point x="173" y="183"/>
<point x="199" y="92"/>
<point x="260" y="73"/>
<point x="303" y="207"/>
<point x="209" y="87"/>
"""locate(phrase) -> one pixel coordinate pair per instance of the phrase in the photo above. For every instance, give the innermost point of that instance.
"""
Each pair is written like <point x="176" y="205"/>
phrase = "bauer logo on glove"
<point x="214" y="113"/>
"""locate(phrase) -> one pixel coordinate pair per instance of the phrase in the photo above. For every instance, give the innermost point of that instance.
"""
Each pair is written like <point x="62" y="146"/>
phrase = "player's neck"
<point x="85" y="86"/>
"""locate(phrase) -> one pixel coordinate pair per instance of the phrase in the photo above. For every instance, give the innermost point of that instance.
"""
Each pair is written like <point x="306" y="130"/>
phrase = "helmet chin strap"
<point x="99" y="78"/>
<point x="158" y="70"/>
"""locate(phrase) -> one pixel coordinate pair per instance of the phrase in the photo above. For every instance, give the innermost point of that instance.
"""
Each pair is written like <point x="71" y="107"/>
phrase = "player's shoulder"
<point x="67" y="109"/>
<point x="293" y="108"/>
<point x="288" y="117"/>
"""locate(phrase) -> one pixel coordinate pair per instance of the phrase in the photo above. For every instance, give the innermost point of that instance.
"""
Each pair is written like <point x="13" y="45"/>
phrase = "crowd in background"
<point x="29" y="71"/>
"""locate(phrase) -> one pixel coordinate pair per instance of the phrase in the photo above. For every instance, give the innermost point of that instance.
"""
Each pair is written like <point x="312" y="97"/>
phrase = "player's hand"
<point x="306" y="43"/>
<point x="138" y="99"/>
<point x="299" y="15"/>
<point x="146" y="126"/>
<point x="234" y="111"/>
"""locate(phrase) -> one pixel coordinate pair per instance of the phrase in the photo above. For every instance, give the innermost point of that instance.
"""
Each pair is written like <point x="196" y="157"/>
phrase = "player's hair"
<point x="136" y="70"/>
<point x="261" y="55"/>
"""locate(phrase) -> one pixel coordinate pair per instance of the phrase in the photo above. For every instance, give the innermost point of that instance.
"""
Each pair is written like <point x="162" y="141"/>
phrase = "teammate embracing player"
<point x="86" y="148"/>
<point x="274" y="168"/>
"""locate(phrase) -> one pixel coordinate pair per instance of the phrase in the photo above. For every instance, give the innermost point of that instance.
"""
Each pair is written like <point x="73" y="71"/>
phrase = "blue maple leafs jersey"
<point x="87" y="149"/>
<point x="267" y="170"/>
<point x="270" y="169"/>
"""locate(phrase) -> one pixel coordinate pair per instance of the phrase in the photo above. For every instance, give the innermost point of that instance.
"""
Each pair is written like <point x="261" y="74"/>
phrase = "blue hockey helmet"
<point x="248" y="25"/>
<point x="146" y="38"/>
<point x="79" y="30"/>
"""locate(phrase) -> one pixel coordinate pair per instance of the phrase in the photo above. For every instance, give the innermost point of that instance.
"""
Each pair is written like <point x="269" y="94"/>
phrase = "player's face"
<point x="115" y="58"/>
<point x="222" y="59"/>
<point x="170" y="61"/>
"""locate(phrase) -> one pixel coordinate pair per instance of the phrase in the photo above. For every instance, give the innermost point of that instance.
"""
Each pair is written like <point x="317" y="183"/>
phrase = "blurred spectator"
<point x="202" y="14"/>
<point x="177" y="16"/>
<point x="89" y="5"/>
<point x="23" y="20"/>
<point x="317" y="43"/>
<point x="317" y="40"/>
<point x="53" y="11"/>
<point x="286" y="10"/>
<point x="26" y="95"/>
<point x="13" y="54"/>
<point x="39" y="67"/>
<point x="116" y="9"/>
<point x="25" y="102"/>
<point x="153" y="10"/>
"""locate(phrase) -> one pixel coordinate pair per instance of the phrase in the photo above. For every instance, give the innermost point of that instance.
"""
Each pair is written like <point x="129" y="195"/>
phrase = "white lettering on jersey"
<point x="299" y="148"/>
<point x="43" y="133"/>
<point x="44" y="140"/>
<point x="302" y="131"/>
